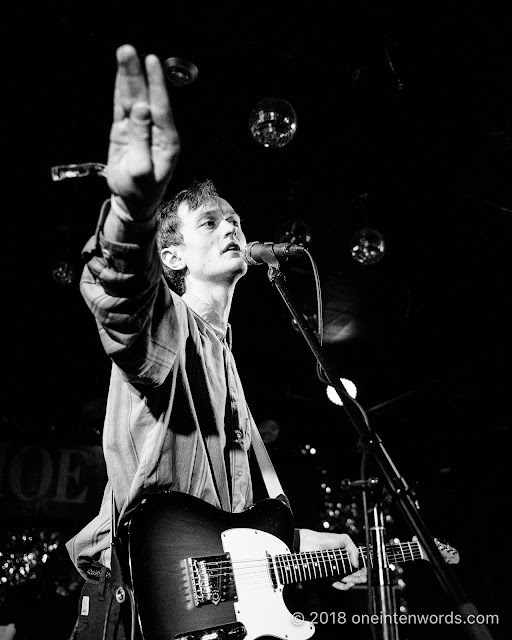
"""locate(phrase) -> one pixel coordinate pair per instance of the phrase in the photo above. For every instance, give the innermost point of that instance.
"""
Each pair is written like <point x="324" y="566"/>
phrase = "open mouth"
<point x="232" y="246"/>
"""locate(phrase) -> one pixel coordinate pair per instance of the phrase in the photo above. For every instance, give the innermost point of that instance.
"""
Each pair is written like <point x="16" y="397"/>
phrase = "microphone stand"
<point x="381" y="592"/>
<point x="384" y="599"/>
<point x="395" y="483"/>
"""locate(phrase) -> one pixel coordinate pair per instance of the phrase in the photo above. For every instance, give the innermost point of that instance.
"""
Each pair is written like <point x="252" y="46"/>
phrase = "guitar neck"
<point x="328" y="563"/>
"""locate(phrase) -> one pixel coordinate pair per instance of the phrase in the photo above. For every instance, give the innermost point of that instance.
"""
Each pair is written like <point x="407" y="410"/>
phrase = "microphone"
<point x="268" y="252"/>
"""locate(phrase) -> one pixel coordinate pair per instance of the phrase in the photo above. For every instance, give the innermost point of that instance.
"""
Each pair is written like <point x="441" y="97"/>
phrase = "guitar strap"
<point x="268" y="473"/>
<point x="272" y="484"/>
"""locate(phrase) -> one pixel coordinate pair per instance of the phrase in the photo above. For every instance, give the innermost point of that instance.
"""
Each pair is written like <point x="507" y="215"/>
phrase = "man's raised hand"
<point x="144" y="142"/>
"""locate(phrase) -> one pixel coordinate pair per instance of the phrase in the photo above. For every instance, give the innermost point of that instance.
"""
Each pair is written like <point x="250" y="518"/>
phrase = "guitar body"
<point x="169" y="534"/>
<point x="199" y="573"/>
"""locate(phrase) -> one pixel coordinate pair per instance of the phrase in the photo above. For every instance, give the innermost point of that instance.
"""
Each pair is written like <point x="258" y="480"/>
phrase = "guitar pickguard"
<point x="260" y="605"/>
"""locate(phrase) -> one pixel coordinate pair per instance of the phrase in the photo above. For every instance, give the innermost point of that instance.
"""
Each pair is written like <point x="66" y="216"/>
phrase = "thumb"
<point x="140" y="120"/>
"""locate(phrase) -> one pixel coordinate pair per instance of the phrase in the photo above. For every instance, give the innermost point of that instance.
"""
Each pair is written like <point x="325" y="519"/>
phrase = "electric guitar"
<point x="199" y="573"/>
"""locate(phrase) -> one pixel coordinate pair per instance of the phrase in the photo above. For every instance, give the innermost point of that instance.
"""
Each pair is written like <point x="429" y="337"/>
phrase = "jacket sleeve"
<point x="141" y="322"/>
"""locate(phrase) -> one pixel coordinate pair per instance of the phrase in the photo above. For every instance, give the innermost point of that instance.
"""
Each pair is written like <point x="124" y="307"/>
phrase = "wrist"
<point x="122" y="210"/>
<point x="121" y="226"/>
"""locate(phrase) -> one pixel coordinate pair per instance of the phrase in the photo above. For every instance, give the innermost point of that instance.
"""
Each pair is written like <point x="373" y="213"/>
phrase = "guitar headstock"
<point x="449" y="553"/>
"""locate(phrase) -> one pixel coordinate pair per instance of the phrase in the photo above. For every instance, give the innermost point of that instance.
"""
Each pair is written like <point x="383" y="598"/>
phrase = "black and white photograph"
<point x="257" y="338"/>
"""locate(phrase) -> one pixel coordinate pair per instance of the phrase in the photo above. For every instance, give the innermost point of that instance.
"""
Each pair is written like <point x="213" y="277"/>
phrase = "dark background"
<point x="403" y="106"/>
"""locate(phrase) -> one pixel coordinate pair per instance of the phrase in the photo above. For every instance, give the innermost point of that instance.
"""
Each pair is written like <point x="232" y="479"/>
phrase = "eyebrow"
<point x="216" y="210"/>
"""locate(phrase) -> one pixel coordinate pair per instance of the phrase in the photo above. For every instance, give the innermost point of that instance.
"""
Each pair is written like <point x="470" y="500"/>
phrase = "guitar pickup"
<point x="212" y="580"/>
<point x="231" y="631"/>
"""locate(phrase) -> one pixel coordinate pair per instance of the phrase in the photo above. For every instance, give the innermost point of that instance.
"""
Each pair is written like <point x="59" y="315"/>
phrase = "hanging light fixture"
<point x="367" y="246"/>
<point x="269" y="430"/>
<point x="295" y="231"/>
<point x="273" y="122"/>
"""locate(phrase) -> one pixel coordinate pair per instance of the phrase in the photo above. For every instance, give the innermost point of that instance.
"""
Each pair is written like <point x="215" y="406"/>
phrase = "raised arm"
<point x="122" y="282"/>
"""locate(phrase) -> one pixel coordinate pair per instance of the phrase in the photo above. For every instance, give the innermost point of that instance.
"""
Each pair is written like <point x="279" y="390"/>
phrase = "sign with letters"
<point x="51" y="480"/>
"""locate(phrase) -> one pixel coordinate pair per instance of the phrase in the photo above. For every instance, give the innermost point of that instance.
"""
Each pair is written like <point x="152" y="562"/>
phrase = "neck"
<point x="308" y="565"/>
<point x="218" y="296"/>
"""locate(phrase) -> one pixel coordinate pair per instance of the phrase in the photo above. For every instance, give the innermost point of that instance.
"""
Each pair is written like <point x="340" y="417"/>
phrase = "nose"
<point x="231" y="228"/>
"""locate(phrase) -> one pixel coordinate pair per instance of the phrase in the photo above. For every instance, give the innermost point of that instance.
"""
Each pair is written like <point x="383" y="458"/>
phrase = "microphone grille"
<point x="246" y="253"/>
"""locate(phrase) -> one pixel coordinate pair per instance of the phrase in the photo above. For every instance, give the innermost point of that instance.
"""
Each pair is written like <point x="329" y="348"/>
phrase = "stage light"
<point x="350" y="388"/>
<point x="180" y="72"/>
<point x="82" y="170"/>
<point x="273" y="122"/>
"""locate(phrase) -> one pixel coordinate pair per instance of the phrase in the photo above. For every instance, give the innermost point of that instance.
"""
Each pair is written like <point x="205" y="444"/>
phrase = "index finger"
<point x="131" y="84"/>
<point x="353" y="553"/>
<point x="351" y="549"/>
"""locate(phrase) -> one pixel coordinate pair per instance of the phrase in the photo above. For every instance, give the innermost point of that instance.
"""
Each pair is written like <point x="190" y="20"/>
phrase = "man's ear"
<point x="172" y="257"/>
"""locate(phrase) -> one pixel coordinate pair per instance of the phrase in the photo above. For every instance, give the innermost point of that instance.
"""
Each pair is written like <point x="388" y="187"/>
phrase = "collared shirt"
<point x="176" y="414"/>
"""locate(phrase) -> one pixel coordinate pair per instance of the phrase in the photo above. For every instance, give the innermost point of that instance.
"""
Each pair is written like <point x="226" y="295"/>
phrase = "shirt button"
<point x="239" y="471"/>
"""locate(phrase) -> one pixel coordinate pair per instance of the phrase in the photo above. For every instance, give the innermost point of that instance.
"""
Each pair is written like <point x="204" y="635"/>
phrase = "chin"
<point x="242" y="269"/>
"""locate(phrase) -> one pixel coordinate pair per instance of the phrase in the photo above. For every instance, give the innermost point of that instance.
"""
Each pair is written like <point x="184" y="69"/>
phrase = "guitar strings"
<point x="292" y="559"/>
<point x="401" y="554"/>
<point x="258" y="573"/>
<point x="325" y="561"/>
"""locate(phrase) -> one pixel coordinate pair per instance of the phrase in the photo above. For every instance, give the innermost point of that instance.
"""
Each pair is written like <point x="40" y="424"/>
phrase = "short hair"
<point x="169" y="225"/>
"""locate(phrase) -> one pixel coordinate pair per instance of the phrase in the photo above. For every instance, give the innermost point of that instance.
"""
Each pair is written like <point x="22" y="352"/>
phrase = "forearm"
<point x="122" y="256"/>
<point x="123" y="286"/>
<point x="121" y="280"/>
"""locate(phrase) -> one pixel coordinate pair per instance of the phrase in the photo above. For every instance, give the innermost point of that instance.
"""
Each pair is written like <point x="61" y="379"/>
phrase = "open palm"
<point x="144" y="143"/>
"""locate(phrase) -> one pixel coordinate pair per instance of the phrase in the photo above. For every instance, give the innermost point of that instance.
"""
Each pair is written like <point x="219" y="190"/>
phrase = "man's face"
<point x="212" y="241"/>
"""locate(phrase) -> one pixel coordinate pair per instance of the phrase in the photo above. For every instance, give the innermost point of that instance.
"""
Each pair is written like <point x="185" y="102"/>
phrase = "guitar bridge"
<point x="212" y="580"/>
